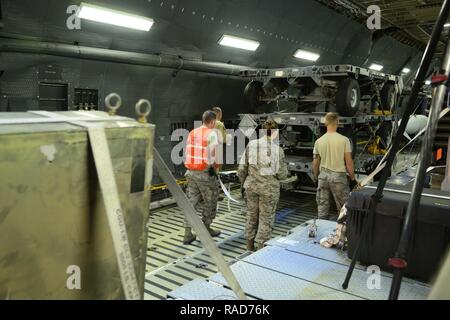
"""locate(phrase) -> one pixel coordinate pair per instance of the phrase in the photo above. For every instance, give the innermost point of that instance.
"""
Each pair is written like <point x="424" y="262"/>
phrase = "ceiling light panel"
<point x="114" y="17"/>
<point x="240" y="43"/>
<point x="306" y="55"/>
<point x="376" y="67"/>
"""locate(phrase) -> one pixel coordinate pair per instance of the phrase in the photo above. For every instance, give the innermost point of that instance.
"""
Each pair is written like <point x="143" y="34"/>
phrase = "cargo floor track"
<point x="296" y="267"/>
<point x="291" y="267"/>
<point x="170" y="264"/>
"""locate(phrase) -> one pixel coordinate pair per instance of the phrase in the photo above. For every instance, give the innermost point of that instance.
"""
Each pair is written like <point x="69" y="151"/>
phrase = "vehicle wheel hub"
<point x="353" y="98"/>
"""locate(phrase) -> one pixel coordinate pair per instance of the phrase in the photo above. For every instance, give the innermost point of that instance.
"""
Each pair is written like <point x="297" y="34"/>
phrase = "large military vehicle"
<point x="365" y="99"/>
<point x="345" y="88"/>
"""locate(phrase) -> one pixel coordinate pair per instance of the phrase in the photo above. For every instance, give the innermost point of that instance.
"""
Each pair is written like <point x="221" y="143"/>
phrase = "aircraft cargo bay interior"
<point x="177" y="150"/>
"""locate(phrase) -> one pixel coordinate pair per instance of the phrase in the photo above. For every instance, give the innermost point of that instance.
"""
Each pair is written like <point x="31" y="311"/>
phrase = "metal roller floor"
<point x="265" y="284"/>
<point x="170" y="264"/>
<point x="330" y="274"/>
<point x="296" y="267"/>
<point x="199" y="289"/>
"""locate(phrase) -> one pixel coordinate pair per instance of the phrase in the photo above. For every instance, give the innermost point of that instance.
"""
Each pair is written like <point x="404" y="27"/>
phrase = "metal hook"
<point x="143" y="114"/>
<point x="113" y="108"/>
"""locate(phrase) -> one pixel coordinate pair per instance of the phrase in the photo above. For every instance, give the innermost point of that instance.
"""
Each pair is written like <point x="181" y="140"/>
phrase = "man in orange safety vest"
<point x="201" y="165"/>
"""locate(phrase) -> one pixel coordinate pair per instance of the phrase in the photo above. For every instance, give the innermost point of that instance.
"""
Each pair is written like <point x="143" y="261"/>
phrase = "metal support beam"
<point x="106" y="55"/>
<point x="400" y="261"/>
<point x="195" y="221"/>
<point x="446" y="183"/>
<point x="418" y="83"/>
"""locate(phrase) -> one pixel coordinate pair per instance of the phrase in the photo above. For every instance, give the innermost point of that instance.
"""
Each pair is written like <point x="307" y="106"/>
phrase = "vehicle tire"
<point x="348" y="97"/>
<point x="388" y="97"/>
<point x="252" y="95"/>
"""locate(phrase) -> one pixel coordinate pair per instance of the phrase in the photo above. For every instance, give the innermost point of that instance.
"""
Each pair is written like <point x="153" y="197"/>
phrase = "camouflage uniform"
<point x="334" y="183"/>
<point x="331" y="149"/>
<point x="202" y="186"/>
<point x="261" y="169"/>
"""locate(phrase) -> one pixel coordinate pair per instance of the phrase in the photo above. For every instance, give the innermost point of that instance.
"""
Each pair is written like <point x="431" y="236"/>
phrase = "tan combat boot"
<point x="188" y="236"/>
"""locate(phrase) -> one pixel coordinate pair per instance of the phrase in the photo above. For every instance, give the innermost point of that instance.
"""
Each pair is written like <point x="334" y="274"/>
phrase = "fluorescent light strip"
<point x="306" y="55"/>
<point x="117" y="18"/>
<point x="406" y="71"/>
<point x="446" y="25"/>
<point x="376" y="67"/>
<point x="240" y="43"/>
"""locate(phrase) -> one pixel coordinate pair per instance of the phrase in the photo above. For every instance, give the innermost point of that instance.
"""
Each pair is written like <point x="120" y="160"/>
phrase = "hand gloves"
<point x="353" y="184"/>
<point x="212" y="172"/>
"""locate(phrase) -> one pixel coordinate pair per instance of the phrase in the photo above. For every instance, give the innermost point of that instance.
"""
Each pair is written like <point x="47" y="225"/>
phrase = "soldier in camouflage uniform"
<point x="200" y="185"/>
<point x="260" y="171"/>
<point x="201" y="174"/>
<point x="332" y="162"/>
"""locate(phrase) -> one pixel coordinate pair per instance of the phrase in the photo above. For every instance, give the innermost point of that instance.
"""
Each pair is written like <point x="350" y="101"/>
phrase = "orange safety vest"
<point x="197" y="150"/>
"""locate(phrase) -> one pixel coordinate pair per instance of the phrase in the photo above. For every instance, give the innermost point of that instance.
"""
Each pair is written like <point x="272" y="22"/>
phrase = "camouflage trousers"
<point x="201" y="186"/>
<point x="261" y="208"/>
<point x="333" y="184"/>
